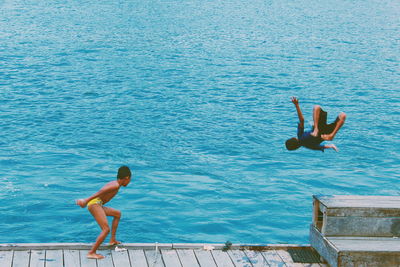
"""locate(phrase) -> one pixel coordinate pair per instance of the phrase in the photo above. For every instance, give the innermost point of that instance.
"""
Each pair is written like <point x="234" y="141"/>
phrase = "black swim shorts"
<point x="323" y="127"/>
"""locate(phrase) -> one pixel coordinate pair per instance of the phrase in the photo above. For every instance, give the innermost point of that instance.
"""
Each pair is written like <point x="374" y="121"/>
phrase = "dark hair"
<point x="123" y="171"/>
<point x="292" y="144"/>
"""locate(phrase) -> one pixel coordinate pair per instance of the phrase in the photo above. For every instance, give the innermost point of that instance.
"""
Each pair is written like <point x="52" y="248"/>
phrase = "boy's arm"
<point x="106" y="189"/>
<point x="295" y="101"/>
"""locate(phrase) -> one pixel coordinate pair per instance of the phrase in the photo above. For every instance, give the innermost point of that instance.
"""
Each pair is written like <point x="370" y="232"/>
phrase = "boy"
<point x="319" y="133"/>
<point x="95" y="206"/>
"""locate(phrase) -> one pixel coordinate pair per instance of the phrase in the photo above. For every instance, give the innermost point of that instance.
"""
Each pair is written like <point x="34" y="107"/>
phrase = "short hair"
<point x="292" y="143"/>
<point x="123" y="172"/>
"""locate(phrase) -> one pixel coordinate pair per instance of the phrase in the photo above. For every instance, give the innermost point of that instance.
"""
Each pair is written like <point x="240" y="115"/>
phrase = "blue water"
<point x="195" y="97"/>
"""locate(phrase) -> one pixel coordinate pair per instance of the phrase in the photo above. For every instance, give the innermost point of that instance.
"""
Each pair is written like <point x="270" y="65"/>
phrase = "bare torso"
<point x="111" y="189"/>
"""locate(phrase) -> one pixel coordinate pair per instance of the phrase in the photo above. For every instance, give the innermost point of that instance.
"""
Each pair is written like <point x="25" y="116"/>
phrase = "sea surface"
<point x="194" y="96"/>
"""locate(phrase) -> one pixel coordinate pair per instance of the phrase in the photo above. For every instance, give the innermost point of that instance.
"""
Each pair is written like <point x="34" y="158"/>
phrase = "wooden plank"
<point x="71" y="258"/>
<point x="366" y="244"/>
<point x="364" y="238"/>
<point x="222" y="258"/>
<point x="363" y="204"/>
<point x="289" y="261"/>
<point x="85" y="262"/>
<point x="205" y="258"/>
<point x="21" y="258"/>
<point x="138" y="258"/>
<point x="323" y="246"/>
<point x="6" y="258"/>
<point x="256" y="258"/>
<point x="360" y="201"/>
<point x="148" y="246"/>
<point x="315" y="211"/>
<point x="154" y="258"/>
<point x="362" y="197"/>
<point x="324" y="219"/>
<point x="107" y="261"/>
<point x="273" y="258"/>
<point x="170" y="258"/>
<point x="120" y="258"/>
<point x="187" y="257"/>
<point x="38" y="258"/>
<point x="78" y="246"/>
<point x="239" y="258"/>
<point x="311" y="264"/>
<point x="54" y="258"/>
<point x="363" y="212"/>
<point x="200" y="245"/>
<point x="381" y="259"/>
<point x="44" y="246"/>
<point x="362" y="226"/>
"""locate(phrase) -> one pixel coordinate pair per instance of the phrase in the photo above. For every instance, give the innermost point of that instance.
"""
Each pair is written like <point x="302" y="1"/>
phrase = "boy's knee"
<point x="118" y="214"/>
<point x="106" y="229"/>
<point x="317" y="107"/>
<point x="342" y="116"/>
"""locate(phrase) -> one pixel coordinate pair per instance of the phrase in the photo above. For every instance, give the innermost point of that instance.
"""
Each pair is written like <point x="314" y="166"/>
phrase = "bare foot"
<point x="114" y="242"/>
<point x="95" y="256"/>
<point x="315" y="133"/>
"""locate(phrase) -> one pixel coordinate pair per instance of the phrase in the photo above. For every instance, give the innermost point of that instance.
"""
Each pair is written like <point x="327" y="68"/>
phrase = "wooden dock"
<point x="151" y="255"/>
<point x="357" y="230"/>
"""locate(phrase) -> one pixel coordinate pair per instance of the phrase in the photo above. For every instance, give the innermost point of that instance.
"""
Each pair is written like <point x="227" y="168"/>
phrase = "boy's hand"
<point x="81" y="202"/>
<point x="295" y="100"/>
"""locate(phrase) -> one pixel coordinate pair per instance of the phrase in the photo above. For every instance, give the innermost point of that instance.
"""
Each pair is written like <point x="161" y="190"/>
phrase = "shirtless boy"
<point x="320" y="131"/>
<point x="95" y="204"/>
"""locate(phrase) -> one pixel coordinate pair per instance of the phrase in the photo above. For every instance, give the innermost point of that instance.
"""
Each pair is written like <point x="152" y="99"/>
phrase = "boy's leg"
<point x="339" y="124"/>
<point x="99" y="214"/>
<point x="316" y="113"/>
<point x="117" y="216"/>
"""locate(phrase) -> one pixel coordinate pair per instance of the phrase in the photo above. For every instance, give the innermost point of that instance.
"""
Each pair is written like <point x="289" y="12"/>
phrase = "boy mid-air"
<point x="95" y="204"/>
<point x="320" y="131"/>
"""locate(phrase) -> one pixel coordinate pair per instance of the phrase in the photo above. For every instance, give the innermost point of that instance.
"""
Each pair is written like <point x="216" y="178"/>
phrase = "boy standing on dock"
<point x="95" y="204"/>
<point x="320" y="131"/>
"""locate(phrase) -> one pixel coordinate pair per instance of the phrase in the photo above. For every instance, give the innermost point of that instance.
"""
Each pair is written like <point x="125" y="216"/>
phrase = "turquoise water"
<point x="195" y="97"/>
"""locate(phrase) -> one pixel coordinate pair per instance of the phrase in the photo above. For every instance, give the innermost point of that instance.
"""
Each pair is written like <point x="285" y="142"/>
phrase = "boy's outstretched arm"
<point x="107" y="188"/>
<point x="295" y="101"/>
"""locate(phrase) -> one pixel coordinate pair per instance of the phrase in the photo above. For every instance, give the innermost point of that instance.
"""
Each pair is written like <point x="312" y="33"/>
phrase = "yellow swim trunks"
<point x="96" y="200"/>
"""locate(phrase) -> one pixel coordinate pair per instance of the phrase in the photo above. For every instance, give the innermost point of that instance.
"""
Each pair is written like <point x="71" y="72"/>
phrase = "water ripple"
<point x="195" y="97"/>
